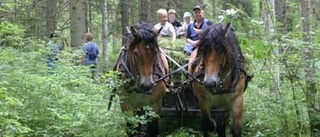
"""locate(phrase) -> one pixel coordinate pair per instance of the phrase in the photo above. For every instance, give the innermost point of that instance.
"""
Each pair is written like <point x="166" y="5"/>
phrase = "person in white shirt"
<point x="165" y="28"/>
<point x="187" y="17"/>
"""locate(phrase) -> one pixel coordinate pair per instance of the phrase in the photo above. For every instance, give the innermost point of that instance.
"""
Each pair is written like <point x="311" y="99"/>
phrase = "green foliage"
<point x="66" y="103"/>
<point x="69" y="103"/>
<point x="244" y="5"/>
<point x="11" y="34"/>
<point x="174" y="49"/>
<point x="147" y="114"/>
<point x="183" y="132"/>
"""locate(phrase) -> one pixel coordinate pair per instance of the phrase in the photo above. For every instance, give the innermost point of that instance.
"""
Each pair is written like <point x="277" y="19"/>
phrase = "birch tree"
<point x="309" y="67"/>
<point x="104" y="30"/>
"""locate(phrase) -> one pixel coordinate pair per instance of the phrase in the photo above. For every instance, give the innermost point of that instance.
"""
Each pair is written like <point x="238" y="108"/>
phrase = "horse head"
<point x="143" y="52"/>
<point x="218" y="47"/>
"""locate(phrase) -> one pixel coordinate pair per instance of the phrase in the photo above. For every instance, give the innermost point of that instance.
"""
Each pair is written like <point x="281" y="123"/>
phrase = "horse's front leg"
<point x="237" y="116"/>
<point x="207" y="123"/>
<point x="221" y="119"/>
<point x="237" y="107"/>
<point x="203" y="98"/>
<point x="153" y="128"/>
<point x="157" y="98"/>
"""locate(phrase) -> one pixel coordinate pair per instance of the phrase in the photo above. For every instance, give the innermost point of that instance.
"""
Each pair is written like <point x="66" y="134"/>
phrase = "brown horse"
<point x="142" y="63"/>
<point x="219" y="65"/>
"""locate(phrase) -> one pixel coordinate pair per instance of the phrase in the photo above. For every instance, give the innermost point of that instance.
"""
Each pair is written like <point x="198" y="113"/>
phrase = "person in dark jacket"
<point x="90" y="54"/>
<point x="172" y="15"/>
<point x="54" y="47"/>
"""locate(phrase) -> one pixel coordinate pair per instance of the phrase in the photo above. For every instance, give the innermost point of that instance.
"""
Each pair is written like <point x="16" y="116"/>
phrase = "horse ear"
<point x="133" y="30"/>
<point x="226" y="29"/>
<point x="156" y="31"/>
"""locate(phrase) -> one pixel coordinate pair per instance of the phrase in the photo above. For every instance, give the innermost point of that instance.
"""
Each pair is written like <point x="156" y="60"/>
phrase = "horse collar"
<point x="234" y="79"/>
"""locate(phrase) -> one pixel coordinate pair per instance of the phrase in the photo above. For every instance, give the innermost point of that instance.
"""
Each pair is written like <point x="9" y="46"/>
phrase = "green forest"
<point x="278" y="38"/>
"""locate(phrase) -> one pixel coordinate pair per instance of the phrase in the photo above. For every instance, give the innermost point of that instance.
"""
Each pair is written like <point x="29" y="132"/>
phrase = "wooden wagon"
<point x="179" y="100"/>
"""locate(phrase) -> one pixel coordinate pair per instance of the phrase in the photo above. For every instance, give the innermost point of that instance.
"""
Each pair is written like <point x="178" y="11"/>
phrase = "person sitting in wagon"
<point x="195" y="28"/>
<point x="172" y="15"/>
<point x="165" y="28"/>
<point x="187" y="17"/>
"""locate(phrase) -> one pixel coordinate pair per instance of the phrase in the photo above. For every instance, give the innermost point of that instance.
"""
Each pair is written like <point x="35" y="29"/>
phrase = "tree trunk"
<point x="104" y="31"/>
<point x="268" y="16"/>
<point x="89" y="15"/>
<point x="309" y="67"/>
<point x="124" y="19"/>
<point x="261" y="11"/>
<point x="316" y="12"/>
<point x="280" y="12"/>
<point x="201" y="2"/>
<point x="281" y="17"/>
<point x="271" y="28"/>
<point x="214" y="10"/>
<point x="144" y="10"/>
<point x="78" y="22"/>
<point x="51" y="13"/>
<point x="153" y="10"/>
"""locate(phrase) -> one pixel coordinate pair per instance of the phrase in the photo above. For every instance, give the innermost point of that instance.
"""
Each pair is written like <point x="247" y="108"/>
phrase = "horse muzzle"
<point x="145" y="85"/>
<point x="211" y="83"/>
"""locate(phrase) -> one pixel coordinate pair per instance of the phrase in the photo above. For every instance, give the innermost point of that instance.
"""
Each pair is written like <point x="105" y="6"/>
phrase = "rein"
<point x="123" y="50"/>
<point x="231" y="88"/>
<point x="179" y="69"/>
<point x="127" y="68"/>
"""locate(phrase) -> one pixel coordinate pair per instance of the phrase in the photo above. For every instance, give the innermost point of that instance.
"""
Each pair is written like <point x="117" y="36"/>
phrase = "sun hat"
<point x="172" y="11"/>
<point x="187" y="14"/>
<point x="197" y="8"/>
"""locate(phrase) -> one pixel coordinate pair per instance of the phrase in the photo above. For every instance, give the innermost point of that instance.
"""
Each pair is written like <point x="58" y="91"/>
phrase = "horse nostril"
<point x="145" y="86"/>
<point x="214" y="84"/>
<point x="210" y="84"/>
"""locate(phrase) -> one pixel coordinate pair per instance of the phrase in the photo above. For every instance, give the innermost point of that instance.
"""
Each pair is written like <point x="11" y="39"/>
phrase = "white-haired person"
<point x="194" y="29"/>
<point x="187" y="17"/>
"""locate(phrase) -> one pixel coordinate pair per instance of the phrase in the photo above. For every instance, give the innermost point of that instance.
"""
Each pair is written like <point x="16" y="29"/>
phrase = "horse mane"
<point x="143" y="32"/>
<point x="221" y="38"/>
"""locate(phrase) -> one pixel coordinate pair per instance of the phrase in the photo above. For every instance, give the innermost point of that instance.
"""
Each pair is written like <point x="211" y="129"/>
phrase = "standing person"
<point x="53" y="51"/>
<point x="193" y="30"/>
<point x="165" y="28"/>
<point x="173" y="20"/>
<point x="187" y="17"/>
<point x="90" y="54"/>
